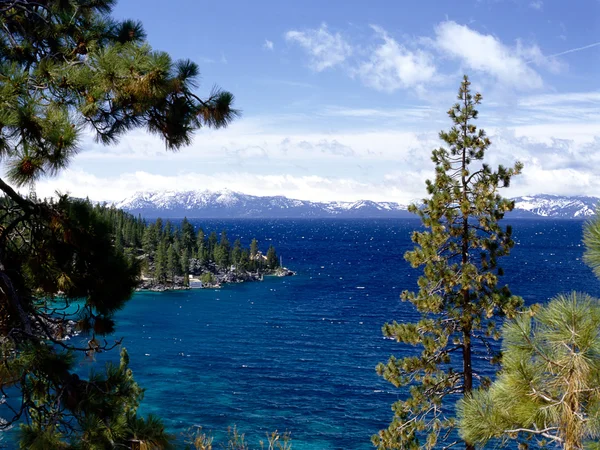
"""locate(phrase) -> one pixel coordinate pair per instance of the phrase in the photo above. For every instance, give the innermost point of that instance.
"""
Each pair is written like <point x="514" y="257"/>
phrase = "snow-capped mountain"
<point x="555" y="206"/>
<point x="226" y="204"/>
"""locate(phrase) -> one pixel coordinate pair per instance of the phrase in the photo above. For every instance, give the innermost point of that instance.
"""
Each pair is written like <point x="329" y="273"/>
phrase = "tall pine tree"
<point x="173" y="264"/>
<point x="459" y="297"/>
<point x="272" y="260"/>
<point x="201" y="245"/>
<point x="160" y="262"/>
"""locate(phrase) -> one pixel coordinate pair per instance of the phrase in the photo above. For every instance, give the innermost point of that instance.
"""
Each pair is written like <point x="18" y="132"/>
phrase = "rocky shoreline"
<point x="217" y="279"/>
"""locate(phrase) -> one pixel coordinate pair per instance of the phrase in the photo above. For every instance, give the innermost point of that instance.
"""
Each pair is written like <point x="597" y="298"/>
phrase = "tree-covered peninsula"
<point x="171" y="255"/>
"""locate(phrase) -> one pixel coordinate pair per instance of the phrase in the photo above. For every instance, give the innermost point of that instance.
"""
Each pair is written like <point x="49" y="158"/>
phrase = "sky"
<point x="344" y="99"/>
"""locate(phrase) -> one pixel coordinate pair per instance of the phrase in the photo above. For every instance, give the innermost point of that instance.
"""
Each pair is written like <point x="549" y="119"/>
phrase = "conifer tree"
<point x="67" y="68"/>
<point x="150" y="239"/>
<point x="167" y="232"/>
<point x="244" y="263"/>
<point x="160" y="228"/>
<point x="549" y="386"/>
<point x="272" y="260"/>
<point x="459" y="297"/>
<point x="253" y="248"/>
<point x="211" y="244"/>
<point x="254" y="263"/>
<point x="160" y="262"/>
<point x="118" y="241"/>
<point x="185" y="266"/>
<point x="224" y="241"/>
<point x="187" y="235"/>
<point x="201" y="246"/>
<point x="221" y="256"/>
<point x="236" y="252"/>
<point x="172" y="263"/>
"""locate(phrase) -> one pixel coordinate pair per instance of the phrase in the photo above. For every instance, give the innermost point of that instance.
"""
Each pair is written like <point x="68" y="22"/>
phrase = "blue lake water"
<point x="299" y="353"/>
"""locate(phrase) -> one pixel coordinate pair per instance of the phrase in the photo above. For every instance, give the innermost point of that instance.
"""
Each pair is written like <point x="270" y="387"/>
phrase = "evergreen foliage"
<point x="272" y="259"/>
<point x="160" y="262"/>
<point x="253" y="248"/>
<point x="548" y="390"/>
<point x="66" y="67"/>
<point x="201" y="245"/>
<point x="207" y="278"/>
<point x="459" y="297"/>
<point x="591" y="240"/>
<point x="165" y="250"/>
<point x="173" y="266"/>
<point x="549" y="386"/>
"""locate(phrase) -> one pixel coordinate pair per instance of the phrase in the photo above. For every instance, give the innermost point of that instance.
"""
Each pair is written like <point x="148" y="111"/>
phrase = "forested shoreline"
<point x="170" y="254"/>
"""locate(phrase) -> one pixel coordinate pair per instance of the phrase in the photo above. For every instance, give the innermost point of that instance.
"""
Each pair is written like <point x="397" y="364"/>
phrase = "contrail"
<point x="595" y="44"/>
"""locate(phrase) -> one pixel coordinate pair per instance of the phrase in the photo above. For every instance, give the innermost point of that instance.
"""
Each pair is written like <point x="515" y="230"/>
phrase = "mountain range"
<point x="226" y="204"/>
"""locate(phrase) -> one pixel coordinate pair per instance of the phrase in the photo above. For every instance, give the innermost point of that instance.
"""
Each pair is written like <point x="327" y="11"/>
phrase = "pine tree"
<point x="254" y="263"/>
<point x="201" y="245"/>
<point x="168" y="231"/>
<point x="188" y="240"/>
<point x="185" y="265"/>
<point x="253" y="248"/>
<point x="118" y="241"/>
<point x="67" y="69"/>
<point x="272" y="260"/>
<point x="172" y="263"/>
<point x="549" y="386"/>
<point x="221" y="256"/>
<point x="459" y="297"/>
<point x="224" y="241"/>
<point x="236" y="252"/>
<point x="211" y="244"/>
<point x="160" y="262"/>
<point x="151" y="238"/>
<point x="244" y="263"/>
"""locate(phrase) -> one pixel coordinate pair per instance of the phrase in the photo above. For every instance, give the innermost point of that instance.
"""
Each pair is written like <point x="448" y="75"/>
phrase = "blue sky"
<point x="343" y="100"/>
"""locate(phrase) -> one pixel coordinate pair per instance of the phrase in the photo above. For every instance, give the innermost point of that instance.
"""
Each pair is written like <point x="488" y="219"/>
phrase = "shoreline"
<point x="221" y="279"/>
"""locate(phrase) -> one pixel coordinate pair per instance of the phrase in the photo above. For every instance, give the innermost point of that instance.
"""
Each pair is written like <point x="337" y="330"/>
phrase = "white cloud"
<point x="555" y="166"/>
<point x="572" y="108"/>
<point x="578" y="133"/>
<point x="353" y="157"/>
<point x="591" y="97"/>
<point x="486" y="53"/>
<point x="307" y="187"/>
<point x="325" y="49"/>
<point x="410" y="114"/>
<point x="268" y="45"/>
<point x="392" y="66"/>
<point x="364" y="164"/>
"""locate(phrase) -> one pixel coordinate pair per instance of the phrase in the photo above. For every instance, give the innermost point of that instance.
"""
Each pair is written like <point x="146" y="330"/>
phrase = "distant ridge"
<point x="227" y="204"/>
<point x="554" y="206"/>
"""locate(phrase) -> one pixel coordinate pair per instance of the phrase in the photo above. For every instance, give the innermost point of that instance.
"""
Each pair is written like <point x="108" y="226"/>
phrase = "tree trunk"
<point x="467" y="371"/>
<point x="467" y="367"/>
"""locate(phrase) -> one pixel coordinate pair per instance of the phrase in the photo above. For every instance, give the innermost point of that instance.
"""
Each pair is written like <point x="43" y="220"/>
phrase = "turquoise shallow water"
<point x="298" y="353"/>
